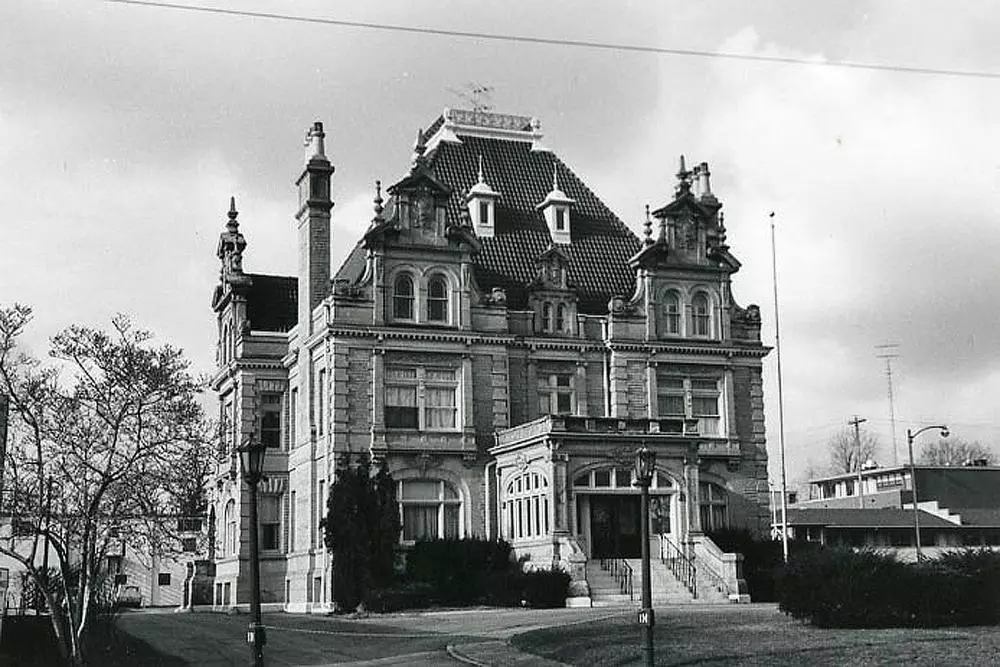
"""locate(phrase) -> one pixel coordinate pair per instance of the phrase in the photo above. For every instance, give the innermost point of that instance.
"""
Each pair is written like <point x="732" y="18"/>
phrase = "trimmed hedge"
<point x="465" y="572"/>
<point x="871" y="589"/>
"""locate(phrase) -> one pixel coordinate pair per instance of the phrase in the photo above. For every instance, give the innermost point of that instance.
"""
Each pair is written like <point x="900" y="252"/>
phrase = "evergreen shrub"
<point x="871" y="589"/>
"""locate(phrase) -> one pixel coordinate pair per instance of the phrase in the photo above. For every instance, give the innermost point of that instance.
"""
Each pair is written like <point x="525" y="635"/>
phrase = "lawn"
<point x="757" y="635"/>
<point x="219" y="640"/>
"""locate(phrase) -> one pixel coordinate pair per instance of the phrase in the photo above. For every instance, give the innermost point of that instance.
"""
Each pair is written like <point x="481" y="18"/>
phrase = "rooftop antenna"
<point x="888" y="352"/>
<point x="478" y="95"/>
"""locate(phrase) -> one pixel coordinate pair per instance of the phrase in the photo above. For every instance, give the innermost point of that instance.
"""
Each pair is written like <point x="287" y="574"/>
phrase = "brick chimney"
<point x="314" y="227"/>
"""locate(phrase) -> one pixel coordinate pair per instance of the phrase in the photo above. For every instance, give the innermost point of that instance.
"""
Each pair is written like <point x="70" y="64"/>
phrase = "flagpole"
<point x="781" y="402"/>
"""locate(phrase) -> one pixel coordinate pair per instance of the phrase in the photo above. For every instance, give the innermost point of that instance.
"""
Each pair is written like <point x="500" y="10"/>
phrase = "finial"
<point x="481" y="178"/>
<point x="555" y="175"/>
<point x="232" y="225"/>
<point x="378" y="199"/>
<point x="648" y="228"/>
<point x="722" y="231"/>
<point x="683" y="178"/>
<point x="419" y="147"/>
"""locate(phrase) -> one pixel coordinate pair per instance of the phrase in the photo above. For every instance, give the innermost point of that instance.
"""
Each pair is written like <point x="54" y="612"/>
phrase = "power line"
<point x="552" y="41"/>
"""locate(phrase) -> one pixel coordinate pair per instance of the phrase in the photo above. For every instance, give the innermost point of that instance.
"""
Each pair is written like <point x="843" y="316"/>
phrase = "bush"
<point x="869" y="589"/>
<point x="400" y="597"/>
<point x="545" y="589"/>
<point x="762" y="559"/>
<point x="460" y="571"/>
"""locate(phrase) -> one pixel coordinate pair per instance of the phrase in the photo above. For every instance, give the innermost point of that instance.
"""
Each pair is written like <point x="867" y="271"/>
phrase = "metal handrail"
<point x="679" y="565"/>
<point x="622" y="573"/>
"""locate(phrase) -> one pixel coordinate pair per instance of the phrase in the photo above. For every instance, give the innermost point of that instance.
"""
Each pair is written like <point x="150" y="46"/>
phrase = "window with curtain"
<point x="690" y="398"/>
<point x="437" y="299"/>
<point x="429" y="509"/>
<point x="402" y="297"/>
<point x="421" y="398"/>
<point x="672" y="313"/>
<point x="700" y="319"/>
<point x="713" y="505"/>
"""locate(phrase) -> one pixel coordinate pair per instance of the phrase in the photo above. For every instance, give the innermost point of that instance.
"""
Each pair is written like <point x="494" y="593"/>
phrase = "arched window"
<point x="699" y="315"/>
<point x="437" y="300"/>
<point x="402" y="297"/>
<point x="229" y="545"/>
<point x="547" y="317"/>
<point x="429" y="509"/>
<point x="672" y="313"/>
<point x="560" y="318"/>
<point x="224" y="345"/>
<point x="525" y="508"/>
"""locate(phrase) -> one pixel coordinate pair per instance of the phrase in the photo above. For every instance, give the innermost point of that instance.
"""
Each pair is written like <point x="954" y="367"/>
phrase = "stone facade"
<point x="504" y="371"/>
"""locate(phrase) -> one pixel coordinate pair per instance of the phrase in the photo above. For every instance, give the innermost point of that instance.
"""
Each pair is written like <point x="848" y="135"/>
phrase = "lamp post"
<point x="910" y="436"/>
<point x="252" y="464"/>
<point x="645" y="463"/>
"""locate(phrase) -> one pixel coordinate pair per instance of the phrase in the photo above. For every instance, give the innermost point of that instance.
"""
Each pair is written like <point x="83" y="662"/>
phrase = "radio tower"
<point x="888" y="352"/>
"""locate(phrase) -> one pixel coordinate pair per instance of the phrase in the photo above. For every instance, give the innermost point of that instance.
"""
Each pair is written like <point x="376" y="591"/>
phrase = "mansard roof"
<point x="597" y="257"/>
<point x="272" y="302"/>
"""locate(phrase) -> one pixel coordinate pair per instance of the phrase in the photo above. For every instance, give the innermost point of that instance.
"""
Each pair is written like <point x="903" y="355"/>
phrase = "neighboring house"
<point x="158" y="578"/>
<point x="958" y="507"/>
<point x="504" y="342"/>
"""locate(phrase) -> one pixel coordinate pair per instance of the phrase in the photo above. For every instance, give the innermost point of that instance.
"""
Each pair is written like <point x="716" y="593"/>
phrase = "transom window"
<point x="429" y="509"/>
<point x="437" y="300"/>
<point x="617" y="478"/>
<point x="692" y="401"/>
<point x="556" y="394"/>
<point x="402" y="297"/>
<point x="421" y="398"/>
<point x="525" y="510"/>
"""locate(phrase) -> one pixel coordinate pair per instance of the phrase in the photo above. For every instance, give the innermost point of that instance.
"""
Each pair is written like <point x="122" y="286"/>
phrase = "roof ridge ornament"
<point x="378" y="200"/>
<point x="647" y="229"/>
<point x="419" y="148"/>
<point x="481" y="178"/>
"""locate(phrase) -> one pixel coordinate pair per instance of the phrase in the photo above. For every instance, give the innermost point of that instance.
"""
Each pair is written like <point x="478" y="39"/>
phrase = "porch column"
<point x="693" y="494"/>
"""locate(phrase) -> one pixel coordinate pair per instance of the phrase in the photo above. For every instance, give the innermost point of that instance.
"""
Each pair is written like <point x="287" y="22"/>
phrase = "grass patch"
<point x="756" y="635"/>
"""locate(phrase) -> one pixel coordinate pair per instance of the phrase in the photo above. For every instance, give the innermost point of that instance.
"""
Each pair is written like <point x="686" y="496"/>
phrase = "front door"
<point x="614" y="526"/>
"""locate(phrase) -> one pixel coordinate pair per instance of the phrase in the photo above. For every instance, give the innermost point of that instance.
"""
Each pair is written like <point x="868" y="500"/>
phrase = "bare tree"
<point x="956" y="452"/>
<point x="101" y="439"/>
<point x="843" y="450"/>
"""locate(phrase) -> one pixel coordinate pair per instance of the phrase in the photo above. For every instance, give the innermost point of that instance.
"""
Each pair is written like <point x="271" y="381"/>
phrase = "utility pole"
<point x="856" y="422"/>
<point x="781" y="402"/>
<point x="888" y="352"/>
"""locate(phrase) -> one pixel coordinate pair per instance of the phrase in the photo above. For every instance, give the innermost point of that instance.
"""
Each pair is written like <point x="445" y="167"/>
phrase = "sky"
<point x="124" y="130"/>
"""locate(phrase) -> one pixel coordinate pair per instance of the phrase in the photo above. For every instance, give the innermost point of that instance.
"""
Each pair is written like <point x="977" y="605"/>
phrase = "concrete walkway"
<point x="496" y="627"/>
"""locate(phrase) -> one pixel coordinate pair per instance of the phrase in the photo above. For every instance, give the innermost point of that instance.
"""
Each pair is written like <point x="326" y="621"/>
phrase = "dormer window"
<point x="556" y="209"/>
<point x="481" y="201"/>
<point x="402" y="297"/>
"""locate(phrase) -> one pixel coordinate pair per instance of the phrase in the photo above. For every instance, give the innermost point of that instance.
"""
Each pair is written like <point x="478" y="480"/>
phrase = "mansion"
<point x="504" y="342"/>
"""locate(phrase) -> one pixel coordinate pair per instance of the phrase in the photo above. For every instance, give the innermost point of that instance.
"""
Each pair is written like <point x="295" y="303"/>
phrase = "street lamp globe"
<point x="252" y="460"/>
